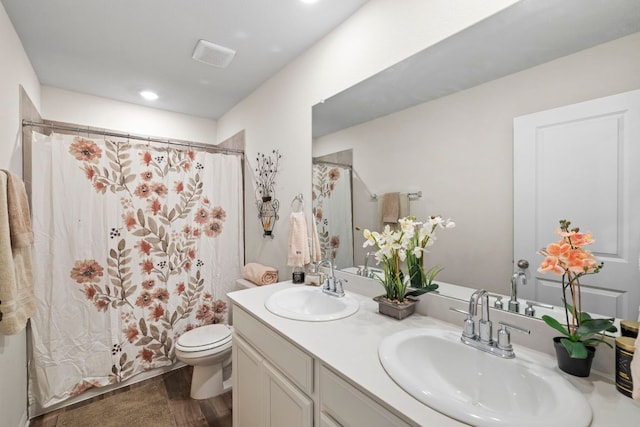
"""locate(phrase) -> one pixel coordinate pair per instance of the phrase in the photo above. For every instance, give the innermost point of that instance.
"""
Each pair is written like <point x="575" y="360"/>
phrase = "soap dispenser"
<point x="298" y="271"/>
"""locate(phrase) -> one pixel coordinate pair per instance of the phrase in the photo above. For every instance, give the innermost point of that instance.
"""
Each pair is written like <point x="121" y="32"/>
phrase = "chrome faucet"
<point x="518" y="278"/>
<point x="364" y="271"/>
<point x="484" y="339"/>
<point x="331" y="285"/>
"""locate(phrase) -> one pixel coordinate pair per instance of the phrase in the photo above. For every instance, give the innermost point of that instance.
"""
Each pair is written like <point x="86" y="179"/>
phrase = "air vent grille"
<point x="213" y="54"/>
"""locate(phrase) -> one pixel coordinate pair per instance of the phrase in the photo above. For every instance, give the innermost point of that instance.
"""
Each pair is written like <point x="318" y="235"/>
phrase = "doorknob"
<point x="523" y="264"/>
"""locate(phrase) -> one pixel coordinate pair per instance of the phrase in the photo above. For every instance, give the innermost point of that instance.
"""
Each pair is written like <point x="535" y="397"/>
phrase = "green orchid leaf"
<point x="419" y="291"/>
<point x="595" y="341"/>
<point x="581" y="316"/>
<point x="576" y="350"/>
<point x="593" y="326"/>
<point x="612" y="329"/>
<point x="555" y="325"/>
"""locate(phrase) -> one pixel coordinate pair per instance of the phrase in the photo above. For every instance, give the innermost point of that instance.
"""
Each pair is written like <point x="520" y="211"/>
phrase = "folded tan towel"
<point x="19" y="214"/>
<point x="16" y="274"/>
<point x="259" y="274"/>
<point x="635" y="371"/>
<point x="391" y="208"/>
<point x="298" y="240"/>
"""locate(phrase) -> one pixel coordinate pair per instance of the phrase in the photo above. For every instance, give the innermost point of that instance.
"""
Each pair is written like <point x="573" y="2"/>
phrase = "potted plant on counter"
<point x="397" y="248"/>
<point x="581" y="333"/>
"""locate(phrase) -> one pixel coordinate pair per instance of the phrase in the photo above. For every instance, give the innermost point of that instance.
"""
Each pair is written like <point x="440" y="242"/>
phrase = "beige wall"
<point x="458" y="151"/>
<point x="88" y="110"/>
<point x="15" y="70"/>
<point x="278" y="114"/>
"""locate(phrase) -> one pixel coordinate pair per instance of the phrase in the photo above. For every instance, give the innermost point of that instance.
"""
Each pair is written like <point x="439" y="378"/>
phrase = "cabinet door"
<point x="350" y="407"/>
<point x="247" y="385"/>
<point x="284" y="404"/>
<point x="327" y="421"/>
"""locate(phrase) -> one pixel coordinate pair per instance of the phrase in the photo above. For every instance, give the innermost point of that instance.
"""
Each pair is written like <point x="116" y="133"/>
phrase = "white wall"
<point x="458" y="151"/>
<point x="15" y="70"/>
<point x="88" y="110"/>
<point x="278" y="114"/>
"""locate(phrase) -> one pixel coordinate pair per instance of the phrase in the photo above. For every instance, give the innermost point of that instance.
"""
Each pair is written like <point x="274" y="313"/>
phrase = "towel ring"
<point x="300" y="199"/>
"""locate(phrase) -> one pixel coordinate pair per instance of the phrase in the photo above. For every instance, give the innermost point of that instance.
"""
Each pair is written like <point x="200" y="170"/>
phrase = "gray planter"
<point x="395" y="309"/>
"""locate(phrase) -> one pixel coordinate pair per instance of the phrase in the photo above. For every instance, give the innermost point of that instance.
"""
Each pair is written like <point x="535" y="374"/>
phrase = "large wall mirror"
<point x="440" y="125"/>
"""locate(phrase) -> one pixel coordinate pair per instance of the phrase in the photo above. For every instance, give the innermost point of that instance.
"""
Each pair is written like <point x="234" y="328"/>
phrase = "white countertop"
<point x="350" y="347"/>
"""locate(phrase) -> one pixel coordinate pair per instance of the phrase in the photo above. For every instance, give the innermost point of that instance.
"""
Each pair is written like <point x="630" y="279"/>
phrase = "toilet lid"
<point x="204" y="338"/>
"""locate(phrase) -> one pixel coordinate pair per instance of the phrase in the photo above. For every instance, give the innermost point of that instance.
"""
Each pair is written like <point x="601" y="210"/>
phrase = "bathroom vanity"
<point x="298" y="373"/>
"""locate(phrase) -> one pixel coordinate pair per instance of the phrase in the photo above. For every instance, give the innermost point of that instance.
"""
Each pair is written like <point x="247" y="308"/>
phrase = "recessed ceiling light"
<point x="147" y="94"/>
<point x="309" y="1"/>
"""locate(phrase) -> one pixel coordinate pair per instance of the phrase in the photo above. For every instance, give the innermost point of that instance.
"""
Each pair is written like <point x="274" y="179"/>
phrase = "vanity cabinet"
<point x="344" y="405"/>
<point x="272" y="377"/>
<point x="277" y="384"/>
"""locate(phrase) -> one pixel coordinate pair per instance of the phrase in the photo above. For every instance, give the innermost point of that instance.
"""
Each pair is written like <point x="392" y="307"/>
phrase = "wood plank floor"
<point x="187" y="412"/>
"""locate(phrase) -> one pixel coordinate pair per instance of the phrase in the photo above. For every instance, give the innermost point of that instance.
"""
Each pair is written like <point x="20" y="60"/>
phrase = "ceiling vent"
<point x="213" y="54"/>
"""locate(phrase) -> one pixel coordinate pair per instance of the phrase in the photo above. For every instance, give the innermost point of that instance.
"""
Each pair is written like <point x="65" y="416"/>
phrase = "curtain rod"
<point x="324" y="162"/>
<point x="88" y="130"/>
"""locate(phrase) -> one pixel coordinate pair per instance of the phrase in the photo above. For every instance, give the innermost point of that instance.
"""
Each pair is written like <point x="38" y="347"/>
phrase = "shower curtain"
<point x="332" y="210"/>
<point x="135" y="244"/>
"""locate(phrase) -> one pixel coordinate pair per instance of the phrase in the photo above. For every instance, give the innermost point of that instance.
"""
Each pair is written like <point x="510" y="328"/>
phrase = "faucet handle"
<point x="469" y="330"/>
<point x="504" y="338"/>
<point x="498" y="303"/>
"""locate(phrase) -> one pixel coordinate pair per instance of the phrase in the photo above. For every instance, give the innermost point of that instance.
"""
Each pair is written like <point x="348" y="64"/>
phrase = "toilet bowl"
<point x="208" y="350"/>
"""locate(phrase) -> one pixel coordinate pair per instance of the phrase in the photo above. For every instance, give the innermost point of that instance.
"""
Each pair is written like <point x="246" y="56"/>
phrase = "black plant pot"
<point x="575" y="367"/>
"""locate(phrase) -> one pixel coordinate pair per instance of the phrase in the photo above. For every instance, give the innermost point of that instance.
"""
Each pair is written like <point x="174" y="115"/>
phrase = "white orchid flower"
<point x="417" y="252"/>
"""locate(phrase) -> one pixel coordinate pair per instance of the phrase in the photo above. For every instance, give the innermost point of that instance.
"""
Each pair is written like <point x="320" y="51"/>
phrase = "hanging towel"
<point x="298" y="240"/>
<point x="635" y="371"/>
<point x="16" y="275"/>
<point x="316" y="255"/>
<point x="391" y="208"/>
<point x="403" y="210"/>
<point x="259" y="274"/>
<point x="19" y="215"/>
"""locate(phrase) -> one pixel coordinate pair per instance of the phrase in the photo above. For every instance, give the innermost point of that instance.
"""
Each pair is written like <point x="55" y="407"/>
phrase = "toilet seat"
<point x="204" y="338"/>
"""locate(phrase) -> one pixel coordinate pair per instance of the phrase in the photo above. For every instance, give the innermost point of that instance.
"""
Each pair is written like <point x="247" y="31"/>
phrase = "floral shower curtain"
<point x="135" y="244"/>
<point x="332" y="210"/>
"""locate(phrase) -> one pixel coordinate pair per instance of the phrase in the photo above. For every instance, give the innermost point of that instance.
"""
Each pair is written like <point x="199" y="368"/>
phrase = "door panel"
<point x="579" y="163"/>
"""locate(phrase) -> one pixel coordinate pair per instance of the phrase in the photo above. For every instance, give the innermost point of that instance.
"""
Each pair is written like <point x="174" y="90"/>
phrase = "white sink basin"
<point x="478" y="388"/>
<point x="310" y="304"/>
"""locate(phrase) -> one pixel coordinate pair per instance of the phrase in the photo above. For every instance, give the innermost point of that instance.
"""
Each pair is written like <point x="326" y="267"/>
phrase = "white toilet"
<point x="208" y="350"/>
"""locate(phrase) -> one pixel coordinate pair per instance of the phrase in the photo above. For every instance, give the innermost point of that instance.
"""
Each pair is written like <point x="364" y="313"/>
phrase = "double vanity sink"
<point x="422" y="362"/>
<point x="310" y="304"/>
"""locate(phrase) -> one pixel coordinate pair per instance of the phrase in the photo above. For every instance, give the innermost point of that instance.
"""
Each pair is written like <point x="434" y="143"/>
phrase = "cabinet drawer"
<point x="293" y="362"/>
<point x="349" y="406"/>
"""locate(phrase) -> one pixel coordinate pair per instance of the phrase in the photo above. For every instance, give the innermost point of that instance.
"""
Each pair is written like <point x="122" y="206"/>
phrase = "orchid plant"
<point x="569" y="258"/>
<point x="407" y="244"/>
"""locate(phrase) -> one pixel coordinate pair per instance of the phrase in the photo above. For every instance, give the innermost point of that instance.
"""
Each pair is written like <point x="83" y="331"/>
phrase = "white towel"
<point x="635" y="371"/>
<point x="16" y="276"/>
<point x="298" y="240"/>
<point x="316" y="255"/>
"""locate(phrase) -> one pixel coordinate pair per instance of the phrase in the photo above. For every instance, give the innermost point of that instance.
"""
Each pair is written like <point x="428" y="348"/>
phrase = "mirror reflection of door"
<point x="580" y="163"/>
<point x="333" y="210"/>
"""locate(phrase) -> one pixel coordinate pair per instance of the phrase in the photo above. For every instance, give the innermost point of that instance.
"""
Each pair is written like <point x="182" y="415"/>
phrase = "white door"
<point x="582" y="163"/>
